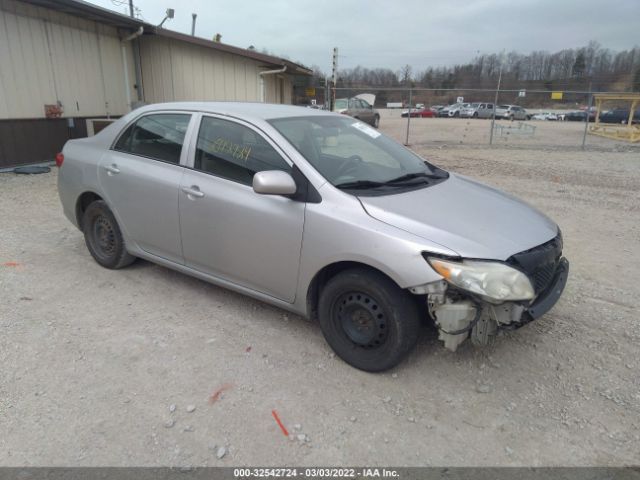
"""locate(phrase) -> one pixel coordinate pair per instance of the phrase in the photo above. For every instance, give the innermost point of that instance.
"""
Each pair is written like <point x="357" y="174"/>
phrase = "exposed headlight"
<point x="493" y="280"/>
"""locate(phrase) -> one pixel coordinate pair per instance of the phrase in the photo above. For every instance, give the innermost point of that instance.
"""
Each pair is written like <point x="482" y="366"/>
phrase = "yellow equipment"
<point x="624" y="131"/>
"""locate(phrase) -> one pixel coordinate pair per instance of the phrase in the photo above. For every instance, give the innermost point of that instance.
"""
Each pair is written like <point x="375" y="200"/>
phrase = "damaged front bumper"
<point x="459" y="316"/>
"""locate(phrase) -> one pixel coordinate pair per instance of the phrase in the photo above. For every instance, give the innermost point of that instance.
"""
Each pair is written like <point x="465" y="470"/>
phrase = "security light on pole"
<point x="169" y="14"/>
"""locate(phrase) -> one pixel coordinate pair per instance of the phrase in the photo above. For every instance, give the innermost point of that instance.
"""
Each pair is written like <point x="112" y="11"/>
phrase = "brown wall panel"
<point x="36" y="140"/>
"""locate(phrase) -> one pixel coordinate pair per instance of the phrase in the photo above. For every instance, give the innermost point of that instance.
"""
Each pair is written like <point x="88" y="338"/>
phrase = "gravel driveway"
<point x="146" y="366"/>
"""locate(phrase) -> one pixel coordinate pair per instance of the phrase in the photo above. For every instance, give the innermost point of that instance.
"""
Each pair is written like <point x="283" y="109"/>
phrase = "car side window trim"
<point x="308" y="192"/>
<point x="187" y="136"/>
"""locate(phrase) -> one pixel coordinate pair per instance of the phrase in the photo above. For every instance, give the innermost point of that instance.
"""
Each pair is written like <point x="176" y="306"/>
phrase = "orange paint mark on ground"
<point x="10" y="264"/>
<point x="277" y="419"/>
<point x="215" y="396"/>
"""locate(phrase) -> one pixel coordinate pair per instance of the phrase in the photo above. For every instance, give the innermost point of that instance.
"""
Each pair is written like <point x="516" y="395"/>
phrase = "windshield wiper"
<point x="411" y="176"/>
<point x="399" y="181"/>
<point x="360" y="184"/>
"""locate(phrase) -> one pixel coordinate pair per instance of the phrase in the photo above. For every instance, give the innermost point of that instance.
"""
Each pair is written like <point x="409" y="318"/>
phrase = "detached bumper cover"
<point x="550" y="296"/>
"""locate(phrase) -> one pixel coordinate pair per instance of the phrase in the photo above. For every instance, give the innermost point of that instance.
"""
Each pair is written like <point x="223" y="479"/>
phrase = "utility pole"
<point x="334" y="78"/>
<point x="131" y="10"/>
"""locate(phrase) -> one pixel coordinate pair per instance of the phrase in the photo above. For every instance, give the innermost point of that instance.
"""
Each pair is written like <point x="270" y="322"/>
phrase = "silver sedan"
<point x="317" y="213"/>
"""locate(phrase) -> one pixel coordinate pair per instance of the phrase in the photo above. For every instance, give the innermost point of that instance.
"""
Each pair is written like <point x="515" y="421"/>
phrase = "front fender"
<point x="345" y="233"/>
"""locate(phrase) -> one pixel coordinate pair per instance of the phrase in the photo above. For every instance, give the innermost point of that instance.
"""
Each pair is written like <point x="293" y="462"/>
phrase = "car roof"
<point x="246" y="110"/>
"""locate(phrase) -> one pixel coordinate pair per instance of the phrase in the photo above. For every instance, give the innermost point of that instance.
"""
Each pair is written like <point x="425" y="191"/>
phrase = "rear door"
<point x="228" y="230"/>
<point x="140" y="179"/>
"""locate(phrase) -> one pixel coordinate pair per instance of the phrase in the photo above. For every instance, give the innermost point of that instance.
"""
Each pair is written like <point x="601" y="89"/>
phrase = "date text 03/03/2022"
<point x="315" y="473"/>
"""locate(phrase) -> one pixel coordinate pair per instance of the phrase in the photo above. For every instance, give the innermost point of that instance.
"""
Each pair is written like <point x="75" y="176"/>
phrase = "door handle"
<point x="112" y="169"/>
<point x="193" y="191"/>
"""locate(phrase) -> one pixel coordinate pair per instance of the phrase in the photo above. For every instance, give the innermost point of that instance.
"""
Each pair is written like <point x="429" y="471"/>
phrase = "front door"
<point x="230" y="231"/>
<point x="366" y="111"/>
<point x="140" y="177"/>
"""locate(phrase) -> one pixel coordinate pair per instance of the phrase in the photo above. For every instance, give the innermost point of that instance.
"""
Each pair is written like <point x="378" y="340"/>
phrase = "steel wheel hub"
<point x="362" y="319"/>
<point x="104" y="235"/>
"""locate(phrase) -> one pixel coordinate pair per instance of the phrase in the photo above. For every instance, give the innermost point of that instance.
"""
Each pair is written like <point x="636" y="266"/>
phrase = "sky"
<point x="393" y="33"/>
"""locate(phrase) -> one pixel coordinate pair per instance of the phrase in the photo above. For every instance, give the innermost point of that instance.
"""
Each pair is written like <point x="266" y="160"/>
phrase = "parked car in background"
<point x="357" y="108"/>
<point x="579" y="116"/>
<point x="512" y="112"/>
<point x="316" y="213"/>
<point x="436" y="108"/>
<point x="477" y="110"/>
<point x="452" y="110"/>
<point x="545" y="116"/>
<point x="619" y="115"/>
<point x="420" y="112"/>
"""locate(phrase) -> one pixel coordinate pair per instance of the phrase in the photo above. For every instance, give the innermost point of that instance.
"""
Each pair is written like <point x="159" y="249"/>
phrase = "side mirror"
<point x="274" y="182"/>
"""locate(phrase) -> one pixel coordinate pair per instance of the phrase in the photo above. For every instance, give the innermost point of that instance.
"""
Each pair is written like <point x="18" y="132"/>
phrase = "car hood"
<point x="470" y="218"/>
<point x="370" y="98"/>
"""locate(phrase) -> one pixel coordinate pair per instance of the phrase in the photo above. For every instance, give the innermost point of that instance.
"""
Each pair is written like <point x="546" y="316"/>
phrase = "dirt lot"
<point x="92" y="359"/>
<point x="476" y="132"/>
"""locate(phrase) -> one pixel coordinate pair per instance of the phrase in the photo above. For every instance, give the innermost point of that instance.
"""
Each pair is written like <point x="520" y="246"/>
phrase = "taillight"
<point x="59" y="159"/>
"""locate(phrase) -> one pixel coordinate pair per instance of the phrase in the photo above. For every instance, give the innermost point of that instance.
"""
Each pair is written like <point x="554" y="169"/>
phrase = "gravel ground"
<point x="118" y="368"/>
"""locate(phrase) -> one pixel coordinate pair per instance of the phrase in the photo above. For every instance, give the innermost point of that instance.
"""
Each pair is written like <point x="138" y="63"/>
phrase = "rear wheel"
<point x="103" y="237"/>
<point x="370" y="322"/>
<point x="376" y="121"/>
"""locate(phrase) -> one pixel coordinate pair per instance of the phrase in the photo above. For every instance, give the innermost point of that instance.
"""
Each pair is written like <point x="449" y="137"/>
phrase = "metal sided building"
<point x="64" y="63"/>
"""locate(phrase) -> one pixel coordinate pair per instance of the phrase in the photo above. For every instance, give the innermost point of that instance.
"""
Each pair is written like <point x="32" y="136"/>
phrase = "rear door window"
<point x="235" y="152"/>
<point x="159" y="136"/>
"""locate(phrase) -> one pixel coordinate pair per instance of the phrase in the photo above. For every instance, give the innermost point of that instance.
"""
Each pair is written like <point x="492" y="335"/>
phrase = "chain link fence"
<point x="516" y="118"/>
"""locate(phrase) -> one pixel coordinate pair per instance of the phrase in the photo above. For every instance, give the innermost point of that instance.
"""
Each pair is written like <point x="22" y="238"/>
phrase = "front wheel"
<point x="103" y="236"/>
<point x="370" y="322"/>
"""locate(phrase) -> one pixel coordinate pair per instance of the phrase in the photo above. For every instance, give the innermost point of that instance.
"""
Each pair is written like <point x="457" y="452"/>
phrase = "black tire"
<point x="475" y="115"/>
<point x="370" y="322"/>
<point x="376" y="121"/>
<point x="456" y="114"/>
<point x="103" y="237"/>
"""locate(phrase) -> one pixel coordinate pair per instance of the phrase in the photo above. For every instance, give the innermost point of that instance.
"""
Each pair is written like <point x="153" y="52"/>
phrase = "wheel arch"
<point x="83" y="201"/>
<point x="328" y="272"/>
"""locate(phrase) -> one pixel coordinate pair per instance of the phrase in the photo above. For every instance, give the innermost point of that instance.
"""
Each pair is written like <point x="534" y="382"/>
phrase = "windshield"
<point x="353" y="155"/>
